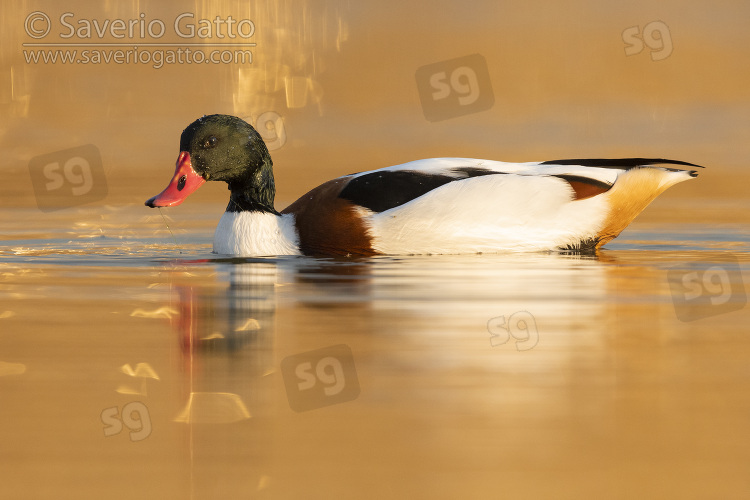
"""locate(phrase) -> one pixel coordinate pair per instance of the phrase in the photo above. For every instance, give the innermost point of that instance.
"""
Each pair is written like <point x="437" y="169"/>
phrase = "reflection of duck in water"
<point x="443" y="205"/>
<point x="242" y="314"/>
<point x="226" y="334"/>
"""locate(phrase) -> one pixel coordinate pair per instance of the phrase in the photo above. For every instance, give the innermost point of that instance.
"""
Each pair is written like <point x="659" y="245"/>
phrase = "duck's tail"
<point x="636" y="187"/>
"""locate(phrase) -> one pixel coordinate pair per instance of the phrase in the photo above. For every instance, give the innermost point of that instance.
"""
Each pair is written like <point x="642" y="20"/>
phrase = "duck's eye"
<point x="210" y="142"/>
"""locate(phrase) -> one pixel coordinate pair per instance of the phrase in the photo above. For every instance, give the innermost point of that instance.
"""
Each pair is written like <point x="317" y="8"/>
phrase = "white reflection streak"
<point x="162" y="312"/>
<point x="11" y="368"/>
<point x="558" y="291"/>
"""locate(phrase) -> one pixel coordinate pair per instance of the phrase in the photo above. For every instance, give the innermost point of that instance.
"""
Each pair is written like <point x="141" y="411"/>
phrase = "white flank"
<point x="493" y="213"/>
<point x="256" y="234"/>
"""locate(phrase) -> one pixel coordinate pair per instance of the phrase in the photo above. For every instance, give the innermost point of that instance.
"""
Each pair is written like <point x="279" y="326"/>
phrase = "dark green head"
<point x="223" y="148"/>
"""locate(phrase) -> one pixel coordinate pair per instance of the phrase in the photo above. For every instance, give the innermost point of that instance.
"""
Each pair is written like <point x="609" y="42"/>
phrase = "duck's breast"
<point x="254" y="234"/>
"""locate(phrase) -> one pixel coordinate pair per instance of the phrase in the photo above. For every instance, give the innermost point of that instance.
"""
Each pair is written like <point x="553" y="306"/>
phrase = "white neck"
<point x="255" y="234"/>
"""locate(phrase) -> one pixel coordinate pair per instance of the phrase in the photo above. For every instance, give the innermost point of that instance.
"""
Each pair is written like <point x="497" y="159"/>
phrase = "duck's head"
<point x="222" y="148"/>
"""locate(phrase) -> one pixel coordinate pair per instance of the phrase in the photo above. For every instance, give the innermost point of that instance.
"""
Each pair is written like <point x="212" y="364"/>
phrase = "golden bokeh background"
<point x="341" y="77"/>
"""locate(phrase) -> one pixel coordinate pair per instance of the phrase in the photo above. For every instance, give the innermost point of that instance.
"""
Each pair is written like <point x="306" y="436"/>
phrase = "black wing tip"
<point x="620" y="162"/>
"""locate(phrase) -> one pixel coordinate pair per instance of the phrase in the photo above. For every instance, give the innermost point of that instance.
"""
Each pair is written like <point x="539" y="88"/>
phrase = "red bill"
<point x="184" y="182"/>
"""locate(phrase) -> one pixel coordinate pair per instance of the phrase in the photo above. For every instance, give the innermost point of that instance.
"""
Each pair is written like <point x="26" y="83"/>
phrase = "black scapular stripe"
<point x="381" y="191"/>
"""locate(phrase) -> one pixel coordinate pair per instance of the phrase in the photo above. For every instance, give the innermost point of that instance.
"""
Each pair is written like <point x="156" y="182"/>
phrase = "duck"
<point x="428" y="206"/>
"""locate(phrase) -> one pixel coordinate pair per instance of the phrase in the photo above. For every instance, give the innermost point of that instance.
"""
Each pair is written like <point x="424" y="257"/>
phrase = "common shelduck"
<point x="434" y="206"/>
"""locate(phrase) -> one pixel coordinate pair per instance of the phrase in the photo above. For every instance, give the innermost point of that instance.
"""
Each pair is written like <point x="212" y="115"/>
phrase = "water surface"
<point x="137" y="365"/>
